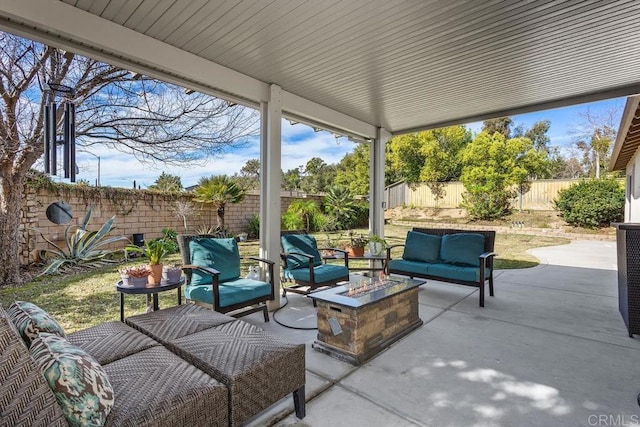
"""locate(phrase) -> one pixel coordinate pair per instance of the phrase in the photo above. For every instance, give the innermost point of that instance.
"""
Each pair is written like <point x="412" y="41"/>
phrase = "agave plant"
<point x="83" y="247"/>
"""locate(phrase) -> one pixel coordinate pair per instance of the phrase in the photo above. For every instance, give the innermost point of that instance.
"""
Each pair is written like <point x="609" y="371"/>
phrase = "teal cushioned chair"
<point x="303" y="266"/>
<point x="212" y="270"/>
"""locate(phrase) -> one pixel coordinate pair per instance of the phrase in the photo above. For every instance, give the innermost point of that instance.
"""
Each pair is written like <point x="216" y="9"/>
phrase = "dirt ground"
<point x="524" y="219"/>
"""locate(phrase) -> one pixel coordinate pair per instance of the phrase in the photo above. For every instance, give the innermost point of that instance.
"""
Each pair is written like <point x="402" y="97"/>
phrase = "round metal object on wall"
<point x="59" y="212"/>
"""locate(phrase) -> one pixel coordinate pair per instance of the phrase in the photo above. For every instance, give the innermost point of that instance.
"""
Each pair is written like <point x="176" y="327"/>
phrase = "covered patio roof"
<point x="356" y="65"/>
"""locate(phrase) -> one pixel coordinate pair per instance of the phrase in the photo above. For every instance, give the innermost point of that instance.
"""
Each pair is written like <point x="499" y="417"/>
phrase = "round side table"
<point x="151" y="292"/>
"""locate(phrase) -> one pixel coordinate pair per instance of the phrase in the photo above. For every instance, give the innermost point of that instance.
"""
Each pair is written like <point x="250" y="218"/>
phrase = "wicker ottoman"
<point x="111" y="341"/>
<point x="175" y="322"/>
<point x="157" y="388"/>
<point x="257" y="367"/>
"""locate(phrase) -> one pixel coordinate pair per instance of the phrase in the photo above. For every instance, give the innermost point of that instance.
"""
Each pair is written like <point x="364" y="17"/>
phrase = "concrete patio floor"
<point x="549" y="350"/>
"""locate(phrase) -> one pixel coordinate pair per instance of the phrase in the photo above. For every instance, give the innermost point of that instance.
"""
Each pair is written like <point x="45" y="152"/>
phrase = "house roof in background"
<point x="628" y="138"/>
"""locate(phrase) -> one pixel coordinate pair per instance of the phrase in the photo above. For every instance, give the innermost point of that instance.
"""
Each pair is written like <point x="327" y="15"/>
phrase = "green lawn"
<point x="80" y="300"/>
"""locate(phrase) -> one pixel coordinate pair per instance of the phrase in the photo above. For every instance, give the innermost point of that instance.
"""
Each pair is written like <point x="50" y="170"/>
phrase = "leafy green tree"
<point x="353" y="170"/>
<point x="291" y="179"/>
<point x="494" y="167"/>
<point x="218" y="190"/>
<point x="249" y="177"/>
<point x="168" y="183"/>
<point x="502" y="125"/>
<point x="317" y="176"/>
<point x="339" y="204"/>
<point x="406" y="157"/>
<point x="441" y="149"/>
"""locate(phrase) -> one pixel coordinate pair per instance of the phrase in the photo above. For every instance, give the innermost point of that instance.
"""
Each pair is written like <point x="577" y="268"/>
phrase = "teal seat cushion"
<point x="409" y="267"/>
<point x="220" y="254"/>
<point x="422" y="247"/>
<point x="323" y="273"/>
<point x="462" y="248"/>
<point x="231" y="292"/>
<point x="302" y="243"/>
<point x="458" y="272"/>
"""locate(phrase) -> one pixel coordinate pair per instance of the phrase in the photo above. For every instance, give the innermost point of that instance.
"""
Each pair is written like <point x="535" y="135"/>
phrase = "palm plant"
<point x="83" y="247"/>
<point x="218" y="190"/>
<point x="305" y="210"/>
<point x="154" y="250"/>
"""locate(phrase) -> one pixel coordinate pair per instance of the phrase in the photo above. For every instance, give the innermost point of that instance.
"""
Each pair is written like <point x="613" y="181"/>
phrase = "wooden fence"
<point x="539" y="197"/>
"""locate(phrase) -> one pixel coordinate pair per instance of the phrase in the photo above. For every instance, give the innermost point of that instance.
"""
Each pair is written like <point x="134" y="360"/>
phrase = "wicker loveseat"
<point x="455" y="256"/>
<point x="199" y="368"/>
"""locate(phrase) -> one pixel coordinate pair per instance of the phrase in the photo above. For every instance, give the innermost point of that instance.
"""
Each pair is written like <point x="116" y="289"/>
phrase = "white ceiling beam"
<point x="302" y="108"/>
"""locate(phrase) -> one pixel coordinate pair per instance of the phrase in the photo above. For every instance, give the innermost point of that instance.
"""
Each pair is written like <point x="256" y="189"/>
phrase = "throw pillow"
<point x="422" y="247"/>
<point x="302" y="243"/>
<point x="462" y="248"/>
<point x="30" y="320"/>
<point x="220" y="254"/>
<point x="79" y="383"/>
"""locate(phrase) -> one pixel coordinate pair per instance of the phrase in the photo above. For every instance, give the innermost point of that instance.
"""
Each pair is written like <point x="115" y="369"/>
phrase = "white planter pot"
<point x="376" y="248"/>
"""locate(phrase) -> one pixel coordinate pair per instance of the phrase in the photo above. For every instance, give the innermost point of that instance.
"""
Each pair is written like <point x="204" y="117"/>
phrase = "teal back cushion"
<point x="462" y="248"/>
<point x="221" y="254"/>
<point x="422" y="247"/>
<point x="303" y="243"/>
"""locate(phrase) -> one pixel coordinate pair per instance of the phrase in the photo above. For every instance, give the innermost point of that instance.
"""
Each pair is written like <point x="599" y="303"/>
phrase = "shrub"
<point x="493" y="205"/>
<point x="591" y="204"/>
<point x="169" y="239"/>
<point x="253" y="227"/>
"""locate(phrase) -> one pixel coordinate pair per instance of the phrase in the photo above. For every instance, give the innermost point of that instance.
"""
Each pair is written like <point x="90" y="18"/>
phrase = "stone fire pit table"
<point x="362" y="317"/>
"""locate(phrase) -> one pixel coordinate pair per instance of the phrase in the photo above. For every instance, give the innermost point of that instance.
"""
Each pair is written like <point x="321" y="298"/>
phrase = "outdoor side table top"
<point x="151" y="291"/>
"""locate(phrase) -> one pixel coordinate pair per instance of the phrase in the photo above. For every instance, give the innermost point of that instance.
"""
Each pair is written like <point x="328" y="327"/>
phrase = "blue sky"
<point x="299" y="144"/>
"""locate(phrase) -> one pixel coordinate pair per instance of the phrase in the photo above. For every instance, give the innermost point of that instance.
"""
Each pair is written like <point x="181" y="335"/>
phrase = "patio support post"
<point x="270" y="166"/>
<point x="376" y="182"/>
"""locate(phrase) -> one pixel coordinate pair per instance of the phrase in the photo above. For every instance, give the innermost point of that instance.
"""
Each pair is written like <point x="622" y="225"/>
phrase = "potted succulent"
<point x="155" y="251"/>
<point x="171" y="273"/>
<point x="377" y="245"/>
<point x="135" y="276"/>
<point x="356" y="245"/>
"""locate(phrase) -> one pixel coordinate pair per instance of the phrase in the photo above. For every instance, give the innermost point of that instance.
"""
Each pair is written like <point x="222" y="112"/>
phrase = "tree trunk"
<point x="597" y="165"/>
<point x="10" y="205"/>
<point x="220" y="213"/>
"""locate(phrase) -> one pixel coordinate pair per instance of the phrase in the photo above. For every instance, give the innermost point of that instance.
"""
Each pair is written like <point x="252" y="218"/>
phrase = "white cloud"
<point x="299" y="144"/>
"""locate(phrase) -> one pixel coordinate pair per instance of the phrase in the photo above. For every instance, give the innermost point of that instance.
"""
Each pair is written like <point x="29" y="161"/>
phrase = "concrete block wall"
<point x="136" y="211"/>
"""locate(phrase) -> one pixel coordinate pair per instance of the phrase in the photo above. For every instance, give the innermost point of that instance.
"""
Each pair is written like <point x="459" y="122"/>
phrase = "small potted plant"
<point x="171" y="273"/>
<point x="135" y="276"/>
<point x="330" y="245"/>
<point x="155" y="251"/>
<point x="356" y="245"/>
<point x="377" y="245"/>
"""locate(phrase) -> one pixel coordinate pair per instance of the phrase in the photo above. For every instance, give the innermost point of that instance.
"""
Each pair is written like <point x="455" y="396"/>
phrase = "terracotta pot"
<point x="156" y="274"/>
<point x="355" y="252"/>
